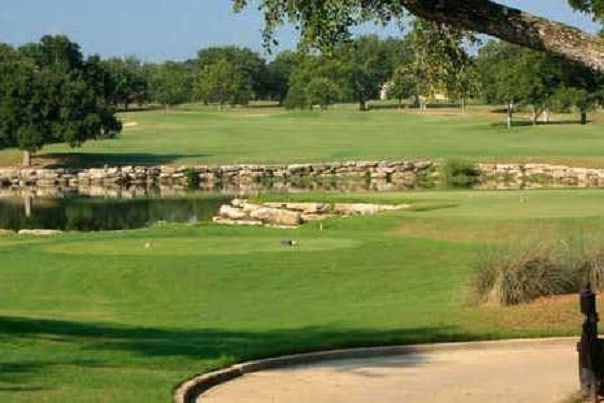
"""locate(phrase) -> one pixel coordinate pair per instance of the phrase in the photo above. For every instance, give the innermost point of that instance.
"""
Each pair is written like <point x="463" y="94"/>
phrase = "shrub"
<point x="460" y="174"/>
<point x="192" y="178"/>
<point x="523" y="271"/>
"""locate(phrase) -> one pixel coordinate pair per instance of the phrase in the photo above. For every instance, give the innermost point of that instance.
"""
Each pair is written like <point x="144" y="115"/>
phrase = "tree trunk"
<point x="26" y="158"/>
<point x="362" y="104"/>
<point x="583" y="117"/>
<point x="510" y="114"/>
<point x="400" y="102"/>
<point x="547" y="115"/>
<point x="515" y="26"/>
<point x="535" y="115"/>
<point x="463" y="106"/>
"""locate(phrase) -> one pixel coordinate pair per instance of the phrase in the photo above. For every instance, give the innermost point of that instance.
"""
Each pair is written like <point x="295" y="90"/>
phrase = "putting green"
<point x="203" y="245"/>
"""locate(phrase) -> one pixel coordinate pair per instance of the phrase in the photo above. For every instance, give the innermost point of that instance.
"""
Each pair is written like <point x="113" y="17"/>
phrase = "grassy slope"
<point x="101" y="317"/>
<point x="260" y="135"/>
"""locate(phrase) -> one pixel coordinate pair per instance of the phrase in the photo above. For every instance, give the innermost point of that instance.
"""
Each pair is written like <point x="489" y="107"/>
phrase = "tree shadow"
<point x="525" y="123"/>
<point x="95" y="160"/>
<point x="223" y="346"/>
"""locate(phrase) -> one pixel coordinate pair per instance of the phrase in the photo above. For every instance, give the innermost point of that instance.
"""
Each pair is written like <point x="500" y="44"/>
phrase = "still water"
<point x="78" y="213"/>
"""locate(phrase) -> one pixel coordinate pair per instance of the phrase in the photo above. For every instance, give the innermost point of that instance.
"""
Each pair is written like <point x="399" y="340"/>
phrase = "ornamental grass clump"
<point x="522" y="271"/>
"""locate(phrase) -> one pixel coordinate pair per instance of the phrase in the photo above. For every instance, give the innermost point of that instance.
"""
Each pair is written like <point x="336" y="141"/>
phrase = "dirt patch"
<point x="555" y="312"/>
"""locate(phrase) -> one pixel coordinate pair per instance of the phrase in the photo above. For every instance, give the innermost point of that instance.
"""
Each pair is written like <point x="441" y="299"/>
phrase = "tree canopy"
<point x="49" y="94"/>
<point x="323" y="23"/>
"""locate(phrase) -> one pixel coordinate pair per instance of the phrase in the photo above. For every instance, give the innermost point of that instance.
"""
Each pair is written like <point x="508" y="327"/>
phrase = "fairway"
<point x="271" y="135"/>
<point x="101" y="314"/>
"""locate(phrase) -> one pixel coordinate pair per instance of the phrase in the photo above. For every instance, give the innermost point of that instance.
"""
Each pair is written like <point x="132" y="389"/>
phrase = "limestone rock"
<point x="276" y="216"/>
<point x="40" y="232"/>
<point x="232" y="213"/>
<point x="226" y="221"/>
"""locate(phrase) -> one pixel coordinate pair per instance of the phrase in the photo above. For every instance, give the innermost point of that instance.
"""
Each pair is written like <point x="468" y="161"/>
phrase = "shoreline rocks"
<point x="291" y="215"/>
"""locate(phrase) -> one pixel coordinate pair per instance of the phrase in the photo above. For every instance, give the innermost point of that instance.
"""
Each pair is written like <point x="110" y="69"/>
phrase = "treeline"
<point x="431" y="62"/>
<point x="50" y="92"/>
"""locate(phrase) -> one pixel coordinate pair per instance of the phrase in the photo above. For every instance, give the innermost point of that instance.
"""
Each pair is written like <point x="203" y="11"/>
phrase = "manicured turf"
<point x="261" y="135"/>
<point x="125" y="316"/>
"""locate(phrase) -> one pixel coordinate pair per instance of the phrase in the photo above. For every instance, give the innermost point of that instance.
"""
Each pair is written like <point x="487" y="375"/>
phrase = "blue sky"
<point x="156" y="30"/>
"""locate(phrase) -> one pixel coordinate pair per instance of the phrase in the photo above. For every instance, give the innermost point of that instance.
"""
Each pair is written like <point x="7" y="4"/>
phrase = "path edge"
<point x="190" y="390"/>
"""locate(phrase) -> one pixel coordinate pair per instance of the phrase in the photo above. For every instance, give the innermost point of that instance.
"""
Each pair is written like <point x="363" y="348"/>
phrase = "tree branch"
<point x="515" y="26"/>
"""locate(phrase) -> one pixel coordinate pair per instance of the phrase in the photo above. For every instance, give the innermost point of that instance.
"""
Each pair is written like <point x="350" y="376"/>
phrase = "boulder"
<point x="232" y="213"/>
<point x="227" y="221"/>
<point x="40" y="232"/>
<point x="276" y="216"/>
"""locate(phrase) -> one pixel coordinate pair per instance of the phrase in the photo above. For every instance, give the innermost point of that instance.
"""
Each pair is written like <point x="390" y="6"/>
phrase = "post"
<point x="590" y="347"/>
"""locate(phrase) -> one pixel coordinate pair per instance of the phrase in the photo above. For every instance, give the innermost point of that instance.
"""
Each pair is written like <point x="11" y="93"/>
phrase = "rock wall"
<point x="136" y="181"/>
<point x="381" y="175"/>
<point x="523" y="176"/>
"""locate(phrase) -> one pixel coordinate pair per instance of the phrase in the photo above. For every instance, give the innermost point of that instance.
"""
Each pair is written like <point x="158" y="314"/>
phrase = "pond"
<point x="85" y="213"/>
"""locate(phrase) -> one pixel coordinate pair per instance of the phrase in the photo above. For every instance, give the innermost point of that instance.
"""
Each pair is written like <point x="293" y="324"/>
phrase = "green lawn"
<point x="101" y="317"/>
<point x="262" y="135"/>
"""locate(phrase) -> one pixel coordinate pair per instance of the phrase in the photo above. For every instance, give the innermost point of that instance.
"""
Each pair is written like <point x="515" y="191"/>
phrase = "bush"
<point x="460" y="174"/>
<point x="192" y="178"/>
<point x="523" y="271"/>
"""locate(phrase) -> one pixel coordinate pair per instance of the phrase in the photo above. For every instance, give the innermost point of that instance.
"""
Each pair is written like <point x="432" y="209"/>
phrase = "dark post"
<point x="590" y="348"/>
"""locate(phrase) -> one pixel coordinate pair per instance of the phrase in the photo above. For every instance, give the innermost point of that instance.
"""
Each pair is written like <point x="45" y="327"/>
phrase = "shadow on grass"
<point x="524" y="123"/>
<point x="225" y="347"/>
<point x="94" y="160"/>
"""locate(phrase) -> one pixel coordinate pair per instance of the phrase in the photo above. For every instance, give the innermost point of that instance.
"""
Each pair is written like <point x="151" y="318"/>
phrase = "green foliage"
<point x="512" y="75"/>
<point x="51" y="95"/>
<point x="322" y="91"/>
<point x="365" y="64"/>
<point x="171" y="84"/>
<point x="248" y="77"/>
<point x="192" y="177"/>
<point x="327" y="23"/>
<point x="220" y="82"/>
<point x="595" y="7"/>
<point x="129" y="80"/>
<point x="278" y="73"/>
<point x="460" y="174"/>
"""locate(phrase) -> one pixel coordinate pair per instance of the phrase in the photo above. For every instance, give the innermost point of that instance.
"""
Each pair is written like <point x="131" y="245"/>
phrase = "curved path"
<point x="510" y="371"/>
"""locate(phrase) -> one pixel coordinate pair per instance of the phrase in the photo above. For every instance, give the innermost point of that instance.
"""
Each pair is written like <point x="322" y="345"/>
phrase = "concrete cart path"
<point x="488" y="372"/>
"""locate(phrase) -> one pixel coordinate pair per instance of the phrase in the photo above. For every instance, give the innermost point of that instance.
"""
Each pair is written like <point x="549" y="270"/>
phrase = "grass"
<point x="197" y="135"/>
<point x="101" y="317"/>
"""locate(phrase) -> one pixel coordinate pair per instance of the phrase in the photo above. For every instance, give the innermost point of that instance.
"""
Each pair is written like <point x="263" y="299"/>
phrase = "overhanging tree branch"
<point x="325" y="22"/>
<point x="515" y="26"/>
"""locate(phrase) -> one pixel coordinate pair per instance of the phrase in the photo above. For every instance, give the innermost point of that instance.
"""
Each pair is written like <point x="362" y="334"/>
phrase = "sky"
<point x="158" y="30"/>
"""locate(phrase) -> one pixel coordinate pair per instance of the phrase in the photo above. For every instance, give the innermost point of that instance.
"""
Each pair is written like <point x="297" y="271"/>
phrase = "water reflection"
<point x="98" y="214"/>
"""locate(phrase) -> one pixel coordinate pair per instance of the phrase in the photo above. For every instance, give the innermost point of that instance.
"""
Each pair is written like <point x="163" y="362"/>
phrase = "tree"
<point x="512" y="74"/>
<point x="170" y="84"/>
<point x="499" y="74"/>
<point x="221" y="82"/>
<point x="250" y="67"/>
<point x="365" y="65"/>
<point x="278" y="73"/>
<point x="47" y="96"/>
<point x="403" y="84"/>
<point x="322" y="91"/>
<point x="129" y="81"/>
<point x="325" y="23"/>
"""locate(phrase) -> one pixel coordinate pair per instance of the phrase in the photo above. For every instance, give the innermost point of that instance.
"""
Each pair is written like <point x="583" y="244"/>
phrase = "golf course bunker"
<point x="201" y="246"/>
<point x="535" y="371"/>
